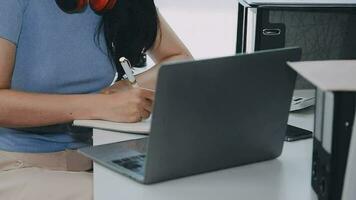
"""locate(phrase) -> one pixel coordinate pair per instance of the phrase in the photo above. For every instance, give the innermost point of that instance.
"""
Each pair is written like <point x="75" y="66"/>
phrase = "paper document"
<point x="142" y="127"/>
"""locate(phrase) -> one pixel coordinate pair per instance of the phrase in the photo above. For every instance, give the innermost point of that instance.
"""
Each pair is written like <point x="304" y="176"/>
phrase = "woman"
<point x="57" y="61"/>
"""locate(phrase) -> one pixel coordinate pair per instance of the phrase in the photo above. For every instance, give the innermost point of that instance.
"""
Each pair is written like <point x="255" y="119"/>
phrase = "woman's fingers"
<point x="147" y="105"/>
<point x="146" y="93"/>
<point x="128" y="105"/>
<point x="117" y="87"/>
<point x="145" y="114"/>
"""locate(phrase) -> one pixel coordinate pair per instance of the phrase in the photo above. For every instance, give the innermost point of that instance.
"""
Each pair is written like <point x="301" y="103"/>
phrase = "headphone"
<point x="75" y="6"/>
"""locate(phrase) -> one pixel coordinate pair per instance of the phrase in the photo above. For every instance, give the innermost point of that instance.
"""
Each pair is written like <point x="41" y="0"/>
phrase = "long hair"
<point x="130" y="29"/>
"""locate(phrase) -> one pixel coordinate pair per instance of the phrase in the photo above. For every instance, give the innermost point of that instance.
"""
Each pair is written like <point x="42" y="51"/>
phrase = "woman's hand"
<point x="126" y="104"/>
<point x="118" y="86"/>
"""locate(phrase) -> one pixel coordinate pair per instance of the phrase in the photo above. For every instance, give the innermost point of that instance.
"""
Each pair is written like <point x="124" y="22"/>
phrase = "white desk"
<point x="287" y="177"/>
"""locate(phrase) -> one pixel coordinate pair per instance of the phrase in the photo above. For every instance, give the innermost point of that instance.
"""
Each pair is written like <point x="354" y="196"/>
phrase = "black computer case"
<point x="323" y="31"/>
<point x="334" y="118"/>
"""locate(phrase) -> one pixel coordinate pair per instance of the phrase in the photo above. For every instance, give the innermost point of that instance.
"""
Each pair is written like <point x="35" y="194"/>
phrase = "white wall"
<point x="207" y="27"/>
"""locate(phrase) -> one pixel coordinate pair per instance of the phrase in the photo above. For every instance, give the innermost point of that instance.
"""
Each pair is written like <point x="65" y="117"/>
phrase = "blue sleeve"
<point x="11" y="14"/>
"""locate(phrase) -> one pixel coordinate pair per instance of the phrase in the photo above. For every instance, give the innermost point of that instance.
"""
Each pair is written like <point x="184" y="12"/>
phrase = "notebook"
<point x="142" y="127"/>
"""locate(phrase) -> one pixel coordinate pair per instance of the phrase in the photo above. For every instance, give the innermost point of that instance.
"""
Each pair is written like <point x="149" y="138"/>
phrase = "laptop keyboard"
<point x="134" y="163"/>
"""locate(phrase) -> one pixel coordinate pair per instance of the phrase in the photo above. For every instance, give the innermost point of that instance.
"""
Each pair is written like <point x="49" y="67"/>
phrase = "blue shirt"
<point x="56" y="54"/>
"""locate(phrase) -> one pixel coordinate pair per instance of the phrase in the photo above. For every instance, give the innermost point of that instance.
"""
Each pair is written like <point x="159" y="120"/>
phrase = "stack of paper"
<point x="142" y="127"/>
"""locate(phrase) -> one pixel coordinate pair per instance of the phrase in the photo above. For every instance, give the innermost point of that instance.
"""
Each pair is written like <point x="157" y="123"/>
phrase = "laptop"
<point x="209" y="115"/>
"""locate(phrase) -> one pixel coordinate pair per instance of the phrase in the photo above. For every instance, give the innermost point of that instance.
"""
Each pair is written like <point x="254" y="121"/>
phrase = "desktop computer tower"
<point x="323" y="29"/>
<point x="334" y="127"/>
<point x="333" y="167"/>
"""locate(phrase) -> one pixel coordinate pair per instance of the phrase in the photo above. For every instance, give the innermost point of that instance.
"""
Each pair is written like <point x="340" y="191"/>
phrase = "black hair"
<point x="130" y="29"/>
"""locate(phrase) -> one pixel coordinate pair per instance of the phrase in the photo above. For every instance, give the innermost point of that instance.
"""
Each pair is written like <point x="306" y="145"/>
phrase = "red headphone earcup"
<point x="82" y="4"/>
<point x="101" y="6"/>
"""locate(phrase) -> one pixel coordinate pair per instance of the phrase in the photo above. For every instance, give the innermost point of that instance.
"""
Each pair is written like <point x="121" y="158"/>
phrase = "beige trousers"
<point x="23" y="180"/>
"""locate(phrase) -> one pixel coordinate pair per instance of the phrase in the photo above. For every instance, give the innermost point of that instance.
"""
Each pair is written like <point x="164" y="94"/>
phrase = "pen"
<point x="125" y="63"/>
<point x="115" y="79"/>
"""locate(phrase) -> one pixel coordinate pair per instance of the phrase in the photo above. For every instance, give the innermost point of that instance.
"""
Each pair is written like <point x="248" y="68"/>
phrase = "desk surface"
<point x="287" y="177"/>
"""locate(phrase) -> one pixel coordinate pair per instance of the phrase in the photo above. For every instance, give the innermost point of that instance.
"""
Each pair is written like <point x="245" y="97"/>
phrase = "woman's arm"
<point x="168" y="47"/>
<point x="22" y="109"/>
